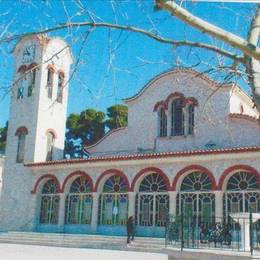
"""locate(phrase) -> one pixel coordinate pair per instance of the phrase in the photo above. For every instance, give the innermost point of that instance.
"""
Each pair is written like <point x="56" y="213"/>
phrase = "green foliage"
<point x="117" y="116"/>
<point x="88" y="127"/>
<point x="3" y="136"/>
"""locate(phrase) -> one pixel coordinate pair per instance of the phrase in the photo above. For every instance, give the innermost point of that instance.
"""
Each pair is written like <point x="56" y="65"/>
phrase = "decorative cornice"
<point x="148" y="156"/>
<point x="192" y="72"/>
<point x="245" y="117"/>
<point x="105" y="136"/>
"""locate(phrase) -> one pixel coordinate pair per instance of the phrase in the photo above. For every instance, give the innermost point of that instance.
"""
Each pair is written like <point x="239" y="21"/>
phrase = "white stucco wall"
<point x="38" y="114"/>
<point x="212" y="122"/>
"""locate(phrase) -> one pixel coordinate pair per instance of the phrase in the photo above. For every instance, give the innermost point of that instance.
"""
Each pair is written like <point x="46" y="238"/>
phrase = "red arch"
<point x="79" y="174"/>
<point x="21" y="130"/>
<point x="115" y="172"/>
<point x="22" y="69"/>
<point x="191" y="101"/>
<point x="50" y="130"/>
<point x="151" y="169"/>
<point x="238" y="167"/>
<point x="32" y="66"/>
<point x="194" y="168"/>
<point x="173" y="96"/>
<point x="46" y="176"/>
<point x="159" y="104"/>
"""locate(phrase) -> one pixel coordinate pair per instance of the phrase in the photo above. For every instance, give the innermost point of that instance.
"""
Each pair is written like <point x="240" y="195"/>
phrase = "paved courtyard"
<point x="28" y="252"/>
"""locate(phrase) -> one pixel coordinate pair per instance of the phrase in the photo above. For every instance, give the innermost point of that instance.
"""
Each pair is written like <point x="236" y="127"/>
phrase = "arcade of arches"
<point x="150" y="198"/>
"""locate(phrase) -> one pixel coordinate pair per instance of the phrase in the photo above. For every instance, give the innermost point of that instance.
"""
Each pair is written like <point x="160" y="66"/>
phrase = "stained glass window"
<point x="79" y="202"/>
<point x="114" y="202"/>
<point x="196" y="181"/>
<point x="242" y="181"/>
<point x="115" y="184"/>
<point x="153" y="201"/>
<point x="153" y="183"/>
<point x="194" y="200"/>
<point x="49" y="203"/>
<point x="242" y="193"/>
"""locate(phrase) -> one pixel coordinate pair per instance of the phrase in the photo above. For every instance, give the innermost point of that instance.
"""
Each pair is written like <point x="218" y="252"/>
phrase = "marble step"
<point x="82" y="241"/>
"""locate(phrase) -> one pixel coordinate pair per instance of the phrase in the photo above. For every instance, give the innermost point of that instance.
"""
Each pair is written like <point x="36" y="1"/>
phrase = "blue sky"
<point x="115" y="64"/>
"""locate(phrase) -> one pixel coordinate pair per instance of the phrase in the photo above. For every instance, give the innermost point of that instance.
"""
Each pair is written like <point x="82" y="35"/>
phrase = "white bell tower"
<point x="39" y="98"/>
<point x="36" y="129"/>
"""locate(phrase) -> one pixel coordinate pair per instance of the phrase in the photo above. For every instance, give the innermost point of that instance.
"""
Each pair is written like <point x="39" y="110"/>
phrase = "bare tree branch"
<point x="237" y="42"/>
<point x="158" y="38"/>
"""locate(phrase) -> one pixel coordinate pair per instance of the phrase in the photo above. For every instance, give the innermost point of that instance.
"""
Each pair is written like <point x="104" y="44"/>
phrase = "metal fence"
<point x="240" y="234"/>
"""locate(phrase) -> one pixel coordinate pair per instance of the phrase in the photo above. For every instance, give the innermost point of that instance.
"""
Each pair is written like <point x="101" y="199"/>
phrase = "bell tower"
<point x="39" y="99"/>
<point x="37" y="118"/>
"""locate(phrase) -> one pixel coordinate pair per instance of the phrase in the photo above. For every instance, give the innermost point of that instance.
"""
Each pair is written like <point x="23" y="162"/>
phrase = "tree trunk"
<point x="253" y="65"/>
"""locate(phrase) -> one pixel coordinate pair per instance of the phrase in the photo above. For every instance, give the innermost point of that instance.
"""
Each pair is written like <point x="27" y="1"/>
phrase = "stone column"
<point x="218" y="204"/>
<point x="62" y="209"/>
<point x="172" y="202"/>
<point x="131" y="204"/>
<point x="94" y="217"/>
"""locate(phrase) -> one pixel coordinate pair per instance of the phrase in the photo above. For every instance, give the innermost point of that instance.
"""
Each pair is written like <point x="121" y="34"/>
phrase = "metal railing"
<point x="212" y="233"/>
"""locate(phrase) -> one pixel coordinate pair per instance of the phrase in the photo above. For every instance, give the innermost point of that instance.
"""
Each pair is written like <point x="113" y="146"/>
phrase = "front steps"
<point x="141" y="244"/>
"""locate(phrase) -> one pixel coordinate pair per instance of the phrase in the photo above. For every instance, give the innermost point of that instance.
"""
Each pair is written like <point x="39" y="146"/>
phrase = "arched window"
<point x="195" y="199"/>
<point x="31" y="82"/>
<point x="177" y="118"/>
<point x="21" y="86"/>
<point x="79" y="202"/>
<point x="152" y="201"/>
<point x="50" y="78"/>
<point x="242" y="193"/>
<point x="60" y="87"/>
<point x="49" y="203"/>
<point x="163" y="123"/>
<point x="190" y="119"/>
<point x="21" y="134"/>
<point x="114" y="202"/>
<point x="50" y="146"/>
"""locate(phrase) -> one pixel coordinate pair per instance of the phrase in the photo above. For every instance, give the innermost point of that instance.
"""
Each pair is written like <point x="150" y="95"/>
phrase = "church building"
<point x="192" y="147"/>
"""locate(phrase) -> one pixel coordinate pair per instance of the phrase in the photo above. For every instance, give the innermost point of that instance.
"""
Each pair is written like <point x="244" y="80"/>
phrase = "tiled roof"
<point x="148" y="156"/>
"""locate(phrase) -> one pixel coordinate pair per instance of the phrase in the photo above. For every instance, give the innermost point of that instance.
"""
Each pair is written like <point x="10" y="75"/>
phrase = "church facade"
<point x="192" y="147"/>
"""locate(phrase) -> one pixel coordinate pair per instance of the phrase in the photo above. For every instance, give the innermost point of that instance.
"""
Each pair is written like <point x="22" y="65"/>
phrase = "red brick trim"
<point x="173" y="154"/>
<point x="159" y="104"/>
<point x="21" y="130"/>
<point x="236" y="168"/>
<point x="32" y="66"/>
<point x="51" y="68"/>
<point x="78" y="174"/>
<point x="191" y="168"/>
<point x="172" y="97"/>
<point x="22" y="69"/>
<point x="50" y="130"/>
<point x="46" y="176"/>
<point x="151" y="170"/>
<point x="112" y="172"/>
<point x="191" y="101"/>
<point x="61" y="72"/>
<point x="245" y="117"/>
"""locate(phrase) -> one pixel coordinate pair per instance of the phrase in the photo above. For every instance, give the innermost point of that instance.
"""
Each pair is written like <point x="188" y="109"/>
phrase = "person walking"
<point x="130" y="230"/>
